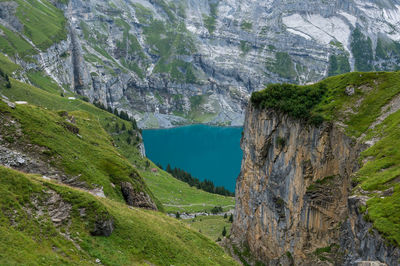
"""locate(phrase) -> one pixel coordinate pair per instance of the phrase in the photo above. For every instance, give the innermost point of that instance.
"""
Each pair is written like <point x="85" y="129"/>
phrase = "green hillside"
<point x="31" y="235"/>
<point x="97" y="150"/>
<point x="177" y="196"/>
<point x="361" y="103"/>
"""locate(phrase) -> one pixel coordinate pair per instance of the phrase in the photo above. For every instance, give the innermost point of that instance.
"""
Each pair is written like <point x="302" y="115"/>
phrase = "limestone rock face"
<point x="292" y="195"/>
<point x="169" y="63"/>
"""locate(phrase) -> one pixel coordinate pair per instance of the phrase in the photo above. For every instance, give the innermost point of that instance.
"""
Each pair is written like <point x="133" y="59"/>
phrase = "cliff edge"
<point x="315" y="187"/>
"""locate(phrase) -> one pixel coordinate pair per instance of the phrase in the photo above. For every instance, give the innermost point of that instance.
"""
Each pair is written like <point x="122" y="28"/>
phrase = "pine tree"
<point x="123" y="126"/>
<point x="168" y="169"/>
<point x="134" y="124"/>
<point x="231" y="218"/>
<point x="225" y="216"/>
<point x="117" y="127"/>
<point x="224" y="231"/>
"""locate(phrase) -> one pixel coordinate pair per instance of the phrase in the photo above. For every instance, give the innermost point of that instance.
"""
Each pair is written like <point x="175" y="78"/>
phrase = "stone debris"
<point x="349" y="90"/>
<point x="10" y="104"/>
<point x="98" y="192"/>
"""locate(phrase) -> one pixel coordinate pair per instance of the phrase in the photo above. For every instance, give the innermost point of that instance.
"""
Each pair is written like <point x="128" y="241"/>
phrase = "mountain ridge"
<point x="170" y="63"/>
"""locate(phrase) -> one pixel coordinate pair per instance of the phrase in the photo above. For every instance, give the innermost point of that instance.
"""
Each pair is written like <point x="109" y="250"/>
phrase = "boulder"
<point x="136" y="198"/>
<point x="103" y="227"/>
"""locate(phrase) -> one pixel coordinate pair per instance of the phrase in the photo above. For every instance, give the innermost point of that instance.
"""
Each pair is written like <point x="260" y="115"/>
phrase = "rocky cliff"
<point x="295" y="196"/>
<point x="175" y="62"/>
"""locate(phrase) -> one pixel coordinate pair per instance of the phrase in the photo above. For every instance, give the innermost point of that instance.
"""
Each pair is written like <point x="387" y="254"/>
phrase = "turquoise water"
<point x="206" y="152"/>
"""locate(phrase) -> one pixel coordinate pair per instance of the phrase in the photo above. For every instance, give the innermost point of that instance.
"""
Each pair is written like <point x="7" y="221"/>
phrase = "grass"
<point x="246" y="25"/>
<point x="40" y="80"/>
<point x="169" y="41"/>
<point x="372" y="91"/>
<point x="211" y="226"/>
<point x="282" y="65"/>
<point x="6" y="66"/>
<point x="245" y="47"/>
<point x="177" y="196"/>
<point x="139" y="236"/>
<point x="165" y="187"/>
<point x="380" y="173"/>
<point x="211" y="19"/>
<point x="13" y="44"/>
<point x="92" y="155"/>
<point x="43" y="23"/>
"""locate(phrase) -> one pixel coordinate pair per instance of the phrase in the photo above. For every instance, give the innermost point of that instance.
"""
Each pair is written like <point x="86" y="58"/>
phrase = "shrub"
<point x="216" y="209"/>
<point x="296" y="101"/>
<point x="280" y="142"/>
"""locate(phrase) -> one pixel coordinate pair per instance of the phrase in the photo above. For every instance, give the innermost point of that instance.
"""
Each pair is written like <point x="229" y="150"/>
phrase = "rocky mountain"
<point x="319" y="186"/>
<point x="175" y="62"/>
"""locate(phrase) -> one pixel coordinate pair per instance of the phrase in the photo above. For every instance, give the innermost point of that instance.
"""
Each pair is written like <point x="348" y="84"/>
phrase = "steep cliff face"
<point x="175" y="62"/>
<point x="293" y="187"/>
<point x="295" y="199"/>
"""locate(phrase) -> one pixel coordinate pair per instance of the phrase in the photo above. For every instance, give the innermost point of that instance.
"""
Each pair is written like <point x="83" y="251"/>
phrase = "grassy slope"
<point x="211" y="226"/>
<point x="92" y="156"/>
<point x="166" y="188"/>
<point x="357" y="112"/>
<point x="139" y="237"/>
<point x="43" y="24"/>
<point x="178" y="196"/>
<point x="40" y="121"/>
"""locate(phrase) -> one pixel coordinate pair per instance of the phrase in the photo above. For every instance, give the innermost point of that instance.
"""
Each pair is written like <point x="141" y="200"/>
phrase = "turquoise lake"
<point x="206" y="152"/>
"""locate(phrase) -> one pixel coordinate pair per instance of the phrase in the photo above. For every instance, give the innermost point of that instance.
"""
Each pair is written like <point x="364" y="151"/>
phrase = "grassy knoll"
<point x="139" y="236"/>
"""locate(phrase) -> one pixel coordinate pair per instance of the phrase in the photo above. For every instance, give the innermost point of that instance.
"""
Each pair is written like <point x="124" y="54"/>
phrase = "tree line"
<point x="206" y="185"/>
<point x="121" y="114"/>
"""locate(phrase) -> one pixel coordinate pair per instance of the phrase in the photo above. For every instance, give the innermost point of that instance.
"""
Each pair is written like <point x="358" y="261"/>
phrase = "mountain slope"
<point x="319" y="178"/>
<point x="87" y="168"/>
<point x="176" y="62"/>
<point x="43" y="222"/>
<point x="184" y="198"/>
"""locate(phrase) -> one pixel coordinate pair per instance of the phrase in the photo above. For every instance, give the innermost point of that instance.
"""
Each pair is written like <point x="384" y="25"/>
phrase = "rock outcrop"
<point x="103" y="227"/>
<point x="293" y="195"/>
<point x="136" y="198"/>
